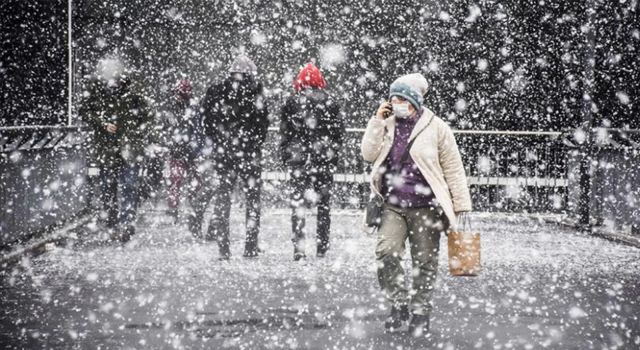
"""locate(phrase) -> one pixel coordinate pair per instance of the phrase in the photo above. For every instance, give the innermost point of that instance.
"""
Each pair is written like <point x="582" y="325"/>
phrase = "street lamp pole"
<point x="70" y="66"/>
<point x="586" y="165"/>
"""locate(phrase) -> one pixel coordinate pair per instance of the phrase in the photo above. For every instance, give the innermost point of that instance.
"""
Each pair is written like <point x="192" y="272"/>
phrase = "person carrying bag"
<point x="464" y="249"/>
<point x="418" y="177"/>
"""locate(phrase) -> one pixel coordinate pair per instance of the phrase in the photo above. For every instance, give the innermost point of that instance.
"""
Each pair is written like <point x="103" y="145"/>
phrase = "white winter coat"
<point x="436" y="154"/>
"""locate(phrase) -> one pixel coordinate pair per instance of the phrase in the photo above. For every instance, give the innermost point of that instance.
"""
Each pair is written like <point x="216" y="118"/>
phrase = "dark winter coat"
<point x="235" y="118"/>
<point x="181" y="130"/>
<point x="129" y="111"/>
<point x="311" y="130"/>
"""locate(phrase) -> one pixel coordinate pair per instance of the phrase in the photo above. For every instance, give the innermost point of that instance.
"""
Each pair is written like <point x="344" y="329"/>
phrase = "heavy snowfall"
<point x="380" y="174"/>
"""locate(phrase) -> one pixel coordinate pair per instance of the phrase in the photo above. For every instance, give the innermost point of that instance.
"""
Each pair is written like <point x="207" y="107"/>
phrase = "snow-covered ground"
<point x="542" y="286"/>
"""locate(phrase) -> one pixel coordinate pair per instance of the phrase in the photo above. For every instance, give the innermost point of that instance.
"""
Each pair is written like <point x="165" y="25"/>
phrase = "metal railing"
<point x="25" y="138"/>
<point x="605" y="184"/>
<point x="507" y="170"/>
<point x="42" y="179"/>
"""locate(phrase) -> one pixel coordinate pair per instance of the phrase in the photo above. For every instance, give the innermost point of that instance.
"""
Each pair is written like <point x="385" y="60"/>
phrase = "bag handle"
<point x="464" y="222"/>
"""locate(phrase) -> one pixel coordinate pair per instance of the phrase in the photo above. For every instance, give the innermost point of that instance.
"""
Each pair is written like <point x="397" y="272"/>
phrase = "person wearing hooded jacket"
<point x="182" y="138"/>
<point x="311" y="130"/>
<point x="121" y="121"/>
<point x="235" y="121"/>
<point x="424" y="194"/>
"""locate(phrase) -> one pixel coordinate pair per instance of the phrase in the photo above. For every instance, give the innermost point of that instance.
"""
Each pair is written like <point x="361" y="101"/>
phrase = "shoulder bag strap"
<point x="405" y="155"/>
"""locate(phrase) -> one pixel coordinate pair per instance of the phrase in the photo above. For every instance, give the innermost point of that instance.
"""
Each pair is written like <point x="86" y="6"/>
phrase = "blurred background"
<point x="509" y="65"/>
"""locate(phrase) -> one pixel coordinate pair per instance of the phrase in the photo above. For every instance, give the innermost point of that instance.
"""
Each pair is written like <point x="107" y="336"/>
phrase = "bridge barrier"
<point x="42" y="179"/>
<point x="47" y="177"/>
<point x="612" y="183"/>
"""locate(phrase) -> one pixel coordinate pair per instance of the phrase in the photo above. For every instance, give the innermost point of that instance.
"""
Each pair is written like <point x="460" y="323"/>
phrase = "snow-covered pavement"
<point x="542" y="286"/>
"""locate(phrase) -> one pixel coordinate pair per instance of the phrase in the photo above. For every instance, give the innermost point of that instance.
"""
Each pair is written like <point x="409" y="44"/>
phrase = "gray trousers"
<point x="422" y="226"/>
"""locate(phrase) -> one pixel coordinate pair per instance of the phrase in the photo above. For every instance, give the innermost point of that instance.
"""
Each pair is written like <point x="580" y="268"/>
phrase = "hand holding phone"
<point x="384" y="111"/>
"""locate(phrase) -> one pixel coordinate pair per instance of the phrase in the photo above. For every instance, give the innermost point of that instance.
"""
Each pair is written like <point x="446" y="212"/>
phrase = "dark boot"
<point x="124" y="234"/>
<point x="213" y="232"/>
<point x="225" y="253"/>
<point x="321" y="251"/>
<point x="195" y="225"/>
<point x="297" y="227"/>
<point x="399" y="315"/>
<point x="174" y="214"/>
<point x="419" y="325"/>
<point x="114" y="234"/>
<point x="251" y="251"/>
<point x="298" y="251"/>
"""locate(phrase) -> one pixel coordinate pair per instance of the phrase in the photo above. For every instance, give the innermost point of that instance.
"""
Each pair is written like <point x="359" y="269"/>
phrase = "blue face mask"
<point x="401" y="110"/>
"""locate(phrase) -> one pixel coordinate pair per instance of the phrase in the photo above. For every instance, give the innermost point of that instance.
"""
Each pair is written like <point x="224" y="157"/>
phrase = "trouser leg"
<point x="425" y="227"/>
<point x="219" y="223"/>
<point x="297" y="203"/>
<point x="177" y="176"/>
<point x="252" y="187"/>
<point x="109" y="194"/>
<point x="389" y="251"/>
<point x="200" y="190"/>
<point x="194" y="181"/>
<point x="129" y="196"/>
<point x="153" y="180"/>
<point x="325" y="183"/>
<point x="297" y="224"/>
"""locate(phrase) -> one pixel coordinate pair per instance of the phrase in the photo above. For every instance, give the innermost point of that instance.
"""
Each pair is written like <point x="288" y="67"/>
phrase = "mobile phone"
<point x="388" y="111"/>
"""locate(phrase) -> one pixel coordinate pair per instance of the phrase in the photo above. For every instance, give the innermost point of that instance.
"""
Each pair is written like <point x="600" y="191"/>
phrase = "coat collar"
<point x="424" y="120"/>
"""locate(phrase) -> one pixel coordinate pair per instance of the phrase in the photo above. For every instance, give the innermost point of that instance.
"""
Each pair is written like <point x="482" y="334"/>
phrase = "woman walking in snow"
<point x="418" y="172"/>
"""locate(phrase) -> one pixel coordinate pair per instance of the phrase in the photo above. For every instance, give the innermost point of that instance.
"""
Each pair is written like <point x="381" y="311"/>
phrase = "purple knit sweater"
<point x="404" y="185"/>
